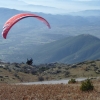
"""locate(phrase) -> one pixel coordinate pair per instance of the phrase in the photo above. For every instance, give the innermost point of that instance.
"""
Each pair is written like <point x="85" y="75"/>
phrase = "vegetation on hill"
<point x="22" y="72"/>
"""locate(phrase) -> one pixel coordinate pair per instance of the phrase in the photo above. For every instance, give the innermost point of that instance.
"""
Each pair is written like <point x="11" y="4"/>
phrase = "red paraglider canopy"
<point x="7" y="26"/>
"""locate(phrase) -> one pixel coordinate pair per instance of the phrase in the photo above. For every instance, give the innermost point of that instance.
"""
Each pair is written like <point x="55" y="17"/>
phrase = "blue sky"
<point x="51" y="6"/>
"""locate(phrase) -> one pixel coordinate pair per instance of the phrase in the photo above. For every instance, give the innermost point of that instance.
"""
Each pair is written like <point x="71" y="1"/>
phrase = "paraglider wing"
<point x="7" y="26"/>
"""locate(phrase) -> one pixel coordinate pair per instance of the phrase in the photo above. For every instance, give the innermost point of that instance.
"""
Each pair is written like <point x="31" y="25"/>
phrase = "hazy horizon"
<point x="51" y="6"/>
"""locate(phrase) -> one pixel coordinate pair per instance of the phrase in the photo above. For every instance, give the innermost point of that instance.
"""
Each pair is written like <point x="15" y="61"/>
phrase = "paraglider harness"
<point x="29" y="62"/>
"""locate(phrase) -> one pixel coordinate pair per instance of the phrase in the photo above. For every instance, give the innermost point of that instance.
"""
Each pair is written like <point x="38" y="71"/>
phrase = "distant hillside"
<point x="69" y="50"/>
<point x="25" y="36"/>
<point x="87" y="13"/>
<point x="60" y="24"/>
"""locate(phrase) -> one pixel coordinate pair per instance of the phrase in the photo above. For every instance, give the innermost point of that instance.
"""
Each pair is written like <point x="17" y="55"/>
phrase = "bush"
<point x="71" y="81"/>
<point x="86" y="85"/>
<point x="40" y="78"/>
<point x="67" y="73"/>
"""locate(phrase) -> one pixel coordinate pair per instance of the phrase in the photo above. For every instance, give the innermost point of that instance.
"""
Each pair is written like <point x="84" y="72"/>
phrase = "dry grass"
<point x="47" y="92"/>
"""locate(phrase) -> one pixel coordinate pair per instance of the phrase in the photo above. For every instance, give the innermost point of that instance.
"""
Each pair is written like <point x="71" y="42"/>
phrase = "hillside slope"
<point x="69" y="50"/>
<point x="21" y="72"/>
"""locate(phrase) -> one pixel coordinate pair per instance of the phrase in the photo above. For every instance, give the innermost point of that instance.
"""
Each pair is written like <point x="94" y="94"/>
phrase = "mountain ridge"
<point x="24" y="37"/>
<point x="82" y="47"/>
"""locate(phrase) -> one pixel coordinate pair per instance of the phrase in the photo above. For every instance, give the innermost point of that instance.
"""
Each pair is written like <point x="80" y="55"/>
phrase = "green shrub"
<point x="86" y="85"/>
<point x="71" y="81"/>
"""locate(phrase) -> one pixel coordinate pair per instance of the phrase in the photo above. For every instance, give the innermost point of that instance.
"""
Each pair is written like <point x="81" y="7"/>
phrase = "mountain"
<point x="69" y="50"/>
<point x="60" y="24"/>
<point x="27" y="35"/>
<point x="86" y="13"/>
<point x="72" y="49"/>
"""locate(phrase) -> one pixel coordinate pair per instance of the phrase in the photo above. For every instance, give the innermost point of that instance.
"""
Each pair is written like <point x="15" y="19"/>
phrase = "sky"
<point x="51" y="6"/>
